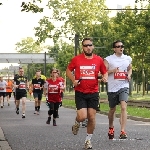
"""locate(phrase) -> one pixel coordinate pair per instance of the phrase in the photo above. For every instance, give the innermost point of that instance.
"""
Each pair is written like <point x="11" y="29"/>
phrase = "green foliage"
<point x="44" y="30"/>
<point x="30" y="6"/>
<point x="28" y="45"/>
<point x="78" y="17"/>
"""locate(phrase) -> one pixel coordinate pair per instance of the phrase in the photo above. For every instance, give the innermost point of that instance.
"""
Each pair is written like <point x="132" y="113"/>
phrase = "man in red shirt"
<point x="86" y="67"/>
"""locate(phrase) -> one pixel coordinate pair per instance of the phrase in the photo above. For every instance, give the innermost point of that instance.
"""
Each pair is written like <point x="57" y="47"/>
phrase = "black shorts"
<point x="19" y="95"/>
<point x="114" y="98"/>
<point x="2" y="94"/>
<point x="8" y="94"/>
<point x="86" y="100"/>
<point x="37" y="95"/>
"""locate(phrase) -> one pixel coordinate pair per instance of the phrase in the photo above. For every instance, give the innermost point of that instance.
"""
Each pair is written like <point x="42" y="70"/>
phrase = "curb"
<point x="3" y="143"/>
<point x="118" y="115"/>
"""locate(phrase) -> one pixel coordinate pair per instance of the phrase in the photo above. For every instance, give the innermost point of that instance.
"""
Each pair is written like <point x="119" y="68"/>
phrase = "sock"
<point x="88" y="137"/>
<point x="17" y="108"/>
<point x="35" y="108"/>
<point x="38" y="108"/>
<point x="76" y="122"/>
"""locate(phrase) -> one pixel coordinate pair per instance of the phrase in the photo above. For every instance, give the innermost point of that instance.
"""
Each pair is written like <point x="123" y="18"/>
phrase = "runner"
<point x="21" y="85"/>
<point x="3" y="85"/>
<point x="9" y="88"/>
<point x="37" y="88"/>
<point x="119" y="69"/>
<point x="44" y="78"/>
<point x="52" y="89"/>
<point x="86" y="67"/>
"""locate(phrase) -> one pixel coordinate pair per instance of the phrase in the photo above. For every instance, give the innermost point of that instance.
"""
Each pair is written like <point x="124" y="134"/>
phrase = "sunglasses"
<point x="86" y="45"/>
<point x="54" y="72"/>
<point x="119" y="46"/>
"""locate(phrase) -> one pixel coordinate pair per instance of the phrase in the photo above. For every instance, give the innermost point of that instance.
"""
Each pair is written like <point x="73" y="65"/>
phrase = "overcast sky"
<point x="15" y="25"/>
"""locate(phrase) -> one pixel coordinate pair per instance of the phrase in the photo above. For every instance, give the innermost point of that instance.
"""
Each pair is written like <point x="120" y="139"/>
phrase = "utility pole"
<point x="76" y="42"/>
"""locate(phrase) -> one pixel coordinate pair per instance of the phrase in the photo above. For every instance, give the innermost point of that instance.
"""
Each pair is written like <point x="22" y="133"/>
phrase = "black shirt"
<point x="21" y="81"/>
<point x="37" y="83"/>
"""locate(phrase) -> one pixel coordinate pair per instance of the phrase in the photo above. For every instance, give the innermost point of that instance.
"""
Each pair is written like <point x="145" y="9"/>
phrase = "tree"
<point x="28" y="45"/>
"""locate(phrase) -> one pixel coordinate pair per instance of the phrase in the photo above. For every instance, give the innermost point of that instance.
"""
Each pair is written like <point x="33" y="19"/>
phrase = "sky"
<point x="16" y="25"/>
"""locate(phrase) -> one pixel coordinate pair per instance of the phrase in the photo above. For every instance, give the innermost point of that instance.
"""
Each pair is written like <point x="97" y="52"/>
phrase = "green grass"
<point x="131" y="110"/>
<point x="135" y="95"/>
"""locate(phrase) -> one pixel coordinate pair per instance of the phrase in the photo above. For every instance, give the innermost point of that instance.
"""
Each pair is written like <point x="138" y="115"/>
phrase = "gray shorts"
<point x="114" y="98"/>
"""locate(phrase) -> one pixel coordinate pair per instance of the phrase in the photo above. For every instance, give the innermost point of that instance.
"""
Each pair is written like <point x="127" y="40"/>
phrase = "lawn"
<point x="131" y="110"/>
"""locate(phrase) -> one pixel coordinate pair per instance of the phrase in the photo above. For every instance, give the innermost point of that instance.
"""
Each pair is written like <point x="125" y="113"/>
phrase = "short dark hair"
<point x="38" y="70"/>
<point x="114" y="43"/>
<point x="87" y="38"/>
<point x="52" y="69"/>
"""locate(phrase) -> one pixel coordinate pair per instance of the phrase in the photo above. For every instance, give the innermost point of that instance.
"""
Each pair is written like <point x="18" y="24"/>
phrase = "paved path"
<point x="32" y="133"/>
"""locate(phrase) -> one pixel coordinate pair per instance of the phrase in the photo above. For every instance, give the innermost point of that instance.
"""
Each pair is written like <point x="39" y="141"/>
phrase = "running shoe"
<point x="88" y="145"/>
<point x="84" y="123"/>
<point x="23" y="116"/>
<point x="48" y="120"/>
<point x="8" y="104"/>
<point x="123" y="135"/>
<point x="54" y="122"/>
<point x="35" y="112"/>
<point x="17" y="111"/>
<point x="75" y="128"/>
<point x="111" y="133"/>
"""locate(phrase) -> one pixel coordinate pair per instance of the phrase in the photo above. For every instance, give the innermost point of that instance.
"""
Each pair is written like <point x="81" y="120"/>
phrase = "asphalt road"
<point x="32" y="133"/>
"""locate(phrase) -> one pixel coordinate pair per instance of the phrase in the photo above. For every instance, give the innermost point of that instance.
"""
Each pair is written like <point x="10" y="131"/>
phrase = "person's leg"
<point x="81" y="111"/>
<point x="55" y="114"/>
<point x="39" y="101"/>
<point x="123" y="97"/>
<point x="50" y="112"/>
<point x="113" y="100"/>
<point x="92" y="102"/>
<point x="1" y="100"/>
<point x="18" y="97"/>
<point x="35" y="102"/>
<point x="23" y="106"/>
<point x="4" y="95"/>
<point x="8" y="98"/>
<point x="123" y="115"/>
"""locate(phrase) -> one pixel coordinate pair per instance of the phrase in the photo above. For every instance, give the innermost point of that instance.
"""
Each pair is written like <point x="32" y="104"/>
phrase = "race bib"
<point x="36" y="86"/>
<point x="22" y="85"/>
<point x="53" y="89"/>
<point x="87" y="72"/>
<point x="1" y="88"/>
<point x="120" y="75"/>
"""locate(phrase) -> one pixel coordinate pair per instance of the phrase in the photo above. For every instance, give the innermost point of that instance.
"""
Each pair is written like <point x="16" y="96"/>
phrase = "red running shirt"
<point x="53" y="88"/>
<point x="87" y="70"/>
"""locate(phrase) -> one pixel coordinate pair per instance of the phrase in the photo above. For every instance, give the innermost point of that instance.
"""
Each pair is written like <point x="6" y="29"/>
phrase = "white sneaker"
<point x="88" y="145"/>
<point x="35" y="112"/>
<point x="23" y="116"/>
